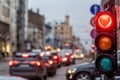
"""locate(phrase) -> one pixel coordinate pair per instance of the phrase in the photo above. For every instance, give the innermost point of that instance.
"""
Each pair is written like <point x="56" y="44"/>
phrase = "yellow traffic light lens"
<point x="105" y="21"/>
<point x="105" y="43"/>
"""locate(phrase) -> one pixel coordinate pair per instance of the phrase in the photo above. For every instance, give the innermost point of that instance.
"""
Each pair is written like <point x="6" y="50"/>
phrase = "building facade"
<point x="48" y="37"/>
<point x="8" y="25"/>
<point x="64" y="30"/>
<point x="5" y="21"/>
<point x="36" y="24"/>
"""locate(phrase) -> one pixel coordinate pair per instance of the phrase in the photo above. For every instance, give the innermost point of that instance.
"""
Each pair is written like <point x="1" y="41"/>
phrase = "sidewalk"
<point x="8" y="58"/>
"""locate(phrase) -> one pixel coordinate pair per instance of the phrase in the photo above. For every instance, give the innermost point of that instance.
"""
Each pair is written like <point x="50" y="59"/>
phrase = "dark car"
<point x="67" y="57"/>
<point x="87" y="71"/>
<point x="56" y="57"/>
<point x="50" y="64"/>
<point x="29" y="65"/>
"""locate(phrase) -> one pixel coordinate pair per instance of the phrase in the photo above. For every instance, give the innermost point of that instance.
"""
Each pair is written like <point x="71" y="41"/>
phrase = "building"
<point x="8" y="24"/>
<point x="48" y="37"/>
<point x="5" y="21"/>
<point x="64" y="31"/>
<point x="22" y="21"/>
<point x="36" y="23"/>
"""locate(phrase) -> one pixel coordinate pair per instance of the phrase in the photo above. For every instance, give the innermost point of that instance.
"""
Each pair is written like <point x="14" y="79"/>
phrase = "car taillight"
<point x="55" y="61"/>
<point x="67" y="53"/>
<point x="50" y="62"/>
<point x="36" y="63"/>
<point x="64" y="59"/>
<point x="13" y="62"/>
<point x="46" y="64"/>
<point x="25" y="55"/>
<point x="55" y="57"/>
<point x="72" y="57"/>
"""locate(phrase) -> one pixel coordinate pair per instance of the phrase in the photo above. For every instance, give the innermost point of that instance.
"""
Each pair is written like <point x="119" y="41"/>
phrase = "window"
<point x="8" y="2"/>
<point x="5" y="11"/>
<point x="62" y="33"/>
<point x="55" y="28"/>
<point x="61" y="28"/>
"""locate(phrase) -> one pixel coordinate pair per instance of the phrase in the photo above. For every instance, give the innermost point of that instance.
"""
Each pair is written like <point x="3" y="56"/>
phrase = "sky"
<point x="78" y="10"/>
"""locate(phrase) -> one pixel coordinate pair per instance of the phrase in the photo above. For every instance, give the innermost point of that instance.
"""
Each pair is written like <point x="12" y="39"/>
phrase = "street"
<point x="4" y="68"/>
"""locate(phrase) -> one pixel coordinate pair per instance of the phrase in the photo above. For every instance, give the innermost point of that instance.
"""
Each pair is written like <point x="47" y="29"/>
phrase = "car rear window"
<point x="30" y="56"/>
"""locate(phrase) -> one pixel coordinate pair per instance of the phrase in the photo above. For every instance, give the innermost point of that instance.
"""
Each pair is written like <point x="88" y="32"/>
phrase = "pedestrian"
<point x="7" y="54"/>
<point x="14" y="53"/>
<point x="3" y="55"/>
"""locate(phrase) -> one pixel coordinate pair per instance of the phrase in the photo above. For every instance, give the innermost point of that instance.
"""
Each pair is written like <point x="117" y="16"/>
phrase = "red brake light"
<point x="67" y="53"/>
<point x="25" y="55"/>
<point x="72" y="56"/>
<point x="36" y="63"/>
<point x="55" y="57"/>
<point x="105" y="21"/>
<point x="13" y="62"/>
<point x="46" y="64"/>
<point x="64" y="59"/>
<point x="50" y="62"/>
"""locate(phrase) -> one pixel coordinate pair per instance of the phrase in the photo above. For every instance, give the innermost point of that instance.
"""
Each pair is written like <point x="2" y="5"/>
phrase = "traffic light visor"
<point x="105" y="21"/>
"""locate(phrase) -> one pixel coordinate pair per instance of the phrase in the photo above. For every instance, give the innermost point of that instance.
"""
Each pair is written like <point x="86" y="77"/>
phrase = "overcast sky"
<point x="79" y="11"/>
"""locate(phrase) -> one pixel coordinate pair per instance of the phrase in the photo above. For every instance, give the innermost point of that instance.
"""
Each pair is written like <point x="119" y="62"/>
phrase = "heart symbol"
<point x="105" y="21"/>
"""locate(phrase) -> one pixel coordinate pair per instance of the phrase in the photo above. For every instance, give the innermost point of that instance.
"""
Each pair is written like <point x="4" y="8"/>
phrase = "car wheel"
<point x="83" y="76"/>
<point x="45" y="77"/>
<point x="73" y="62"/>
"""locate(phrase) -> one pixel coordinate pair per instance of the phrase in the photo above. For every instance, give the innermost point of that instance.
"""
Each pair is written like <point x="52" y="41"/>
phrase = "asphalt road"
<point x="4" y="70"/>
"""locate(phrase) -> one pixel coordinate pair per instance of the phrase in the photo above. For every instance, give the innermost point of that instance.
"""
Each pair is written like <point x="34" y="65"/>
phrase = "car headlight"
<point x="71" y="71"/>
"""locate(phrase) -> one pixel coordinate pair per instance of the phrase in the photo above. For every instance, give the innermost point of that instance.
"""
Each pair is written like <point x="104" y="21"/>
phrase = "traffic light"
<point x="106" y="40"/>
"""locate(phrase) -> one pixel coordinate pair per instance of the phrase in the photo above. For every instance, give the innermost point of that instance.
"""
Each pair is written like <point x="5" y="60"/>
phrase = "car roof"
<point x="53" y="51"/>
<point x="30" y="53"/>
<point x="36" y="50"/>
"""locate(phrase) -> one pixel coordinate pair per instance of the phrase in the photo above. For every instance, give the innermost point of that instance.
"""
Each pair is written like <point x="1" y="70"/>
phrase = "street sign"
<point x="92" y="22"/>
<point x="93" y="33"/>
<point x="95" y="8"/>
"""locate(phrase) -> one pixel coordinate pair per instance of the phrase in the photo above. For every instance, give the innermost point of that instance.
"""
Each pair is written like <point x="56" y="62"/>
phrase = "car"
<point x="36" y="50"/>
<point x="6" y="77"/>
<point x="82" y="71"/>
<point x="78" y="54"/>
<point x="87" y="71"/>
<point x="29" y="65"/>
<point x="56" y="57"/>
<point x="51" y="65"/>
<point x="67" y="57"/>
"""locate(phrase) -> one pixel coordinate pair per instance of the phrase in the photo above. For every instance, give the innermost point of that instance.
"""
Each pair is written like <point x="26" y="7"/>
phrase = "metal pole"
<point x="21" y="26"/>
<point x="102" y="77"/>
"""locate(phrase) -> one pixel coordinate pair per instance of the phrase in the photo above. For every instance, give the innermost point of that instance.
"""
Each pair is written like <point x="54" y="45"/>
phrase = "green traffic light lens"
<point x="105" y="64"/>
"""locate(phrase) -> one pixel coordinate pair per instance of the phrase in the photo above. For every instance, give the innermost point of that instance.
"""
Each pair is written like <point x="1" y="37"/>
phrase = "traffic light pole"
<point x="104" y="77"/>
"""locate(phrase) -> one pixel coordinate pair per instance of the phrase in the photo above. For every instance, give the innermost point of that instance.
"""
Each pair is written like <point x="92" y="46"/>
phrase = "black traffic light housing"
<point x="106" y="40"/>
